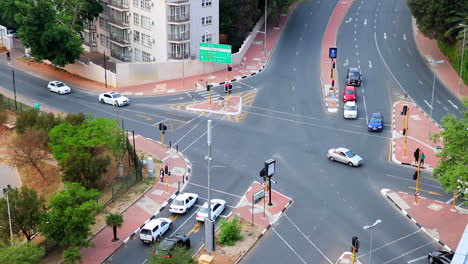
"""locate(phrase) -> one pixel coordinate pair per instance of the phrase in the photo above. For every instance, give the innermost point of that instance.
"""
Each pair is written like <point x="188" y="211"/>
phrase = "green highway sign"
<point x="215" y="53"/>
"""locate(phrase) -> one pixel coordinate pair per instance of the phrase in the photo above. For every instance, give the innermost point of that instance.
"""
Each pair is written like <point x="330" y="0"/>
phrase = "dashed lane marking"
<point x="455" y="106"/>
<point x="145" y="117"/>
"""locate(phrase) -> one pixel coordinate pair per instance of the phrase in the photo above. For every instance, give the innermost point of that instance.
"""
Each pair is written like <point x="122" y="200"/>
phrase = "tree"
<point x="35" y="120"/>
<point x="25" y="210"/>
<point x="70" y="215"/>
<point x="180" y="255"/>
<point x="71" y="255"/>
<point x="29" y="149"/>
<point x="24" y="253"/>
<point x="453" y="167"/>
<point x="114" y="220"/>
<point x="229" y="232"/>
<point x="78" y="148"/>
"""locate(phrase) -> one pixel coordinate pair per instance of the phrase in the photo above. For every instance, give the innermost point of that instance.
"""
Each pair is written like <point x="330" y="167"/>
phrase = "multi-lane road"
<point x="287" y="122"/>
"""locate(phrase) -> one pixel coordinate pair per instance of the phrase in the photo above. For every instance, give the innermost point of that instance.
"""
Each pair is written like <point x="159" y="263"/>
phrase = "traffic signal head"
<point x="229" y="68"/>
<point x="161" y="126"/>
<point x="333" y="83"/>
<point x="404" y="131"/>
<point x="355" y="243"/>
<point x="208" y="87"/>
<point x="334" y="64"/>
<point x="164" y="127"/>
<point x="405" y="110"/>
<point x="166" y="170"/>
<point x="263" y="172"/>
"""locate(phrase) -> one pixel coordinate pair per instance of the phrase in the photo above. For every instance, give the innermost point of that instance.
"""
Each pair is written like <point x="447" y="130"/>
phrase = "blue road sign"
<point x="332" y="53"/>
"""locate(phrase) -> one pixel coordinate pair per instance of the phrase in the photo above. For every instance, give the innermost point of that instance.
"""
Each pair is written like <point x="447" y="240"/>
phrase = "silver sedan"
<point x="344" y="155"/>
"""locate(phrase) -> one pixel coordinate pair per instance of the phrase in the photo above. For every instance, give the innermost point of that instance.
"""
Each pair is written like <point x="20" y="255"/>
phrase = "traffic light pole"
<point x="269" y="192"/>
<point x="406" y="132"/>
<point x="418" y="179"/>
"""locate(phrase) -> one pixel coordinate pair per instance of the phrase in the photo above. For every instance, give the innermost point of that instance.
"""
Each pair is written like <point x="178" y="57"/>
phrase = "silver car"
<point x="344" y="155"/>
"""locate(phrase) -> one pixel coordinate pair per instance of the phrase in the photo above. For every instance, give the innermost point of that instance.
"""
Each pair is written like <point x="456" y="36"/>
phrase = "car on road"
<point x="168" y="245"/>
<point x="183" y="202"/>
<point x="353" y="77"/>
<point x="217" y="207"/>
<point x="58" y="87"/>
<point x="376" y="122"/>
<point x="440" y="257"/>
<point x="344" y="155"/>
<point x="350" y="110"/>
<point x="113" y="98"/>
<point x="155" y="229"/>
<point x="349" y="93"/>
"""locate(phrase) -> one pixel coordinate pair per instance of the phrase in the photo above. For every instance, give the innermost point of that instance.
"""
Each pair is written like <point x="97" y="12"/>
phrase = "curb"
<point x="394" y="159"/>
<point x="220" y="112"/>
<point x="403" y="211"/>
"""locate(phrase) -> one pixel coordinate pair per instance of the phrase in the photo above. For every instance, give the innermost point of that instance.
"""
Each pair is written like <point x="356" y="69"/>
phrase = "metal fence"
<point x="12" y="104"/>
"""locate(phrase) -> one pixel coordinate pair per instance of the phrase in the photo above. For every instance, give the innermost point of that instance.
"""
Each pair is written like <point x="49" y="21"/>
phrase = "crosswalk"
<point x="205" y="95"/>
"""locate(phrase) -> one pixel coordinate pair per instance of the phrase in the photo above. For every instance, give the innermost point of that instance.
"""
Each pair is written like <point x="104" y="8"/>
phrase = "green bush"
<point x="453" y="52"/>
<point x="3" y="117"/>
<point x="229" y="232"/>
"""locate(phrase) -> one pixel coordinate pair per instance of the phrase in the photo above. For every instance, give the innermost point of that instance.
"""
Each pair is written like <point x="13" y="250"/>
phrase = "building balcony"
<point x="120" y="40"/>
<point x="183" y="18"/>
<point x="119" y="4"/>
<point x="90" y="27"/>
<point x="89" y="43"/>
<point x="179" y="37"/>
<point x="120" y="55"/>
<point x="177" y="56"/>
<point x="177" y="2"/>
<point x="118" y="22"/>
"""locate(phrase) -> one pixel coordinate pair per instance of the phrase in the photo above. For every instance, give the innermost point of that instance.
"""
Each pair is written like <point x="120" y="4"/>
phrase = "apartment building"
<point x="153" y="30"/>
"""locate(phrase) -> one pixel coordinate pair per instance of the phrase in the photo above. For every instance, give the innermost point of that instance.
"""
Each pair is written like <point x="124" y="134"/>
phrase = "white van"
<point x="155" y="229"/>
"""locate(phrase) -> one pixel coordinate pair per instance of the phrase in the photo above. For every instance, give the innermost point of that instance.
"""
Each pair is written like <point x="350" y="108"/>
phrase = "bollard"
<point x="183" y="180"/>
<point x="170" y="144"/>
<point x="177" y="148"/>
<point x="178" y="186"/>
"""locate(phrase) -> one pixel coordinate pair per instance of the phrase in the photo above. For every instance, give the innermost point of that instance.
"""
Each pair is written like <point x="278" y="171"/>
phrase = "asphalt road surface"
<point x="287" y="122"/>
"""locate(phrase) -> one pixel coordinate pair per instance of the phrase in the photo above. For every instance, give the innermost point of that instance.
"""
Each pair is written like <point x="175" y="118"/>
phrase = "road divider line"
<point x="223" y="192"/>
<point x="394" y="241"/>
<point x="287" y="244"/>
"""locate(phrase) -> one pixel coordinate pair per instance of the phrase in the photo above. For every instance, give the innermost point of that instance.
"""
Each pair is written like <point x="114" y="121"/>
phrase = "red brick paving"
<point x="234" y="107"/>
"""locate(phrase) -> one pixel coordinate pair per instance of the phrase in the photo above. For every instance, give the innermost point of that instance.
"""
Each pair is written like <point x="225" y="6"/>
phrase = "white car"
<point x="155" y="229"/>
<point x="344" y="155"/>
<point x="183" y="202"/>
<point x="350" y="110"/>
<point x="58" y="87"/>
<point x="217" y="207"/>
<point x="113" y="98"/>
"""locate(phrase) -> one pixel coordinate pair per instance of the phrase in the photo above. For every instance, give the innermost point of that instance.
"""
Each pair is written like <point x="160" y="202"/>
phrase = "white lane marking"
<point x="385" y="35"/>
<point x="365" y="21"/>
<point x="349" y="20"/>
<point x="355" y="46"/>
<point x="346" y="63"/>
<point x="446" y="109"/>
<point x="284" y="113"/>
<point x="357" y="53"/>
<point x="394" y="241"/>
<point x="449" y="201"/>
<point x="365" y="108"/>
<point x="375" y="21"/>
<point x="306" y="23"/>
<point x="294" y="69"/>
<point x="202" y="135"/>
<point x="355" y="32"/>
<point x="354" y="38"/>
<point x="438" y="101"/>
<point x="292" y="107"/>
<point x="407" y="65"/>
<point x="356" y="126"/>
<point x="393" y="21"/>
<point x="175" y="143"/>
<point x="411" y="180"/>
<point x="404" y="36"/>
<point x="189" y="218"/>
<point x="292" y="249"/>
<point x="430" y="106"/>
<point x="416" y="259"/>
<point x="355" y="25"/>
<point x="300" y="38"/>
<point x="204" y="187"/>
<point x="359" y="7"/>
<point x="297" y="53"/>
<point x="362" y="2"/>
<point x="370" y="64"/>
<point x="399" y="49"/>
<point x="358" y="61"/>
<point x="411" y="251"/>
<point x="357" y="14"/>
<point x="307" y="238"/>
<point x="421" y="83"/>
<point x="453" y="104"/>
<point x="292" y="87"/>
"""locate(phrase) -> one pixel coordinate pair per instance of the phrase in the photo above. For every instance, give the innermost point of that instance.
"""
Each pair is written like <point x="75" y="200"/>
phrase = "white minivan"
<point x="155" y="229"/>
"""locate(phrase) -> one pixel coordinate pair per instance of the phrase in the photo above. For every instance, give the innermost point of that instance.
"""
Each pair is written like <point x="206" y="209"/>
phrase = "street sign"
<point x="332" y="52"/>
<point x="417" y="193"/>
<point x="218" y="53"/>
<point x="258" y="196"/>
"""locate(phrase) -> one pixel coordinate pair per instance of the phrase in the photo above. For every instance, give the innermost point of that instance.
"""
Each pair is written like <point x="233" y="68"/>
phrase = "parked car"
<point x="58" y="87"/>
<point x="376" y="122"/>
<point x="353" y="77"/>
<point x="167" y="245"/>
<point x="183" y="202"/>
<point x="217" y="207"/>
<point x="155" y="229"/>
<point x="113" y="98"/>
<point x="344" y="155"/>
<point x="349" y="93"/>
<point x="11" y="33"/>
<point x="350" y="110"/>
<point x="440" y="257"/>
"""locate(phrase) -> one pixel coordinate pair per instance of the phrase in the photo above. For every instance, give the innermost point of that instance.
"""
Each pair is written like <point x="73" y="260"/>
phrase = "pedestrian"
<point x="422" y="158"/>
<point x="8" y="55"/>
<point x="161" y="174"/>
<point x="416" y="155"/>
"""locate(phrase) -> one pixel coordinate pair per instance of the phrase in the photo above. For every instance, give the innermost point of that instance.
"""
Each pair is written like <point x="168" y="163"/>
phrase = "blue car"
<point x="376" y="122"/>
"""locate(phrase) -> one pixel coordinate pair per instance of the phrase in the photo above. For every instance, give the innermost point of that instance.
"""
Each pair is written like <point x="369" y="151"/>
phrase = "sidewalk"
<point x="345" y="258"/>
<point x="419" y="128"/>
<point x="444" y="71"/>
<point x="439" y="220"/>
<point x="143" y="208"/>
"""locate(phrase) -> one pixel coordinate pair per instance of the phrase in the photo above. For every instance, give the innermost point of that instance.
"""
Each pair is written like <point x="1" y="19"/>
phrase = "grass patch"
<point x="453" y="52"/>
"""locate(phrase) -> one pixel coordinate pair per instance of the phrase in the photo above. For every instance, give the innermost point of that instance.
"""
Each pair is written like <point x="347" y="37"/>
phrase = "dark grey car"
<point x="353" y="77"/>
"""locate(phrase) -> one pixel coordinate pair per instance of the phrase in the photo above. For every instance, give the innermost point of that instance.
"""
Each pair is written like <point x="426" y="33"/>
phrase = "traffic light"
<point x="166" y="169"/>
<point x="227" y="87"/>
<point x="355" y="243"/>
<point x="404" y="131"/>
<point x="415" y="175"/>
<point x="333" y="83"/>
<point x="208" y="87"/>
<point x="229" y="68"/>
<point x="161" y="126"/>
<point x="405" y="110"/>
<point x="263" y="172"/>
<point x="333" y="64"/>
<point x="164" y="127"/>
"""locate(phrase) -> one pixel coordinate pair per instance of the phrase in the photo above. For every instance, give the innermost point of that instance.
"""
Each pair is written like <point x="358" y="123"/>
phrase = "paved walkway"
<point x="420" y="126"/>
<point x="439" y="220"/>
<point x="145" y="207"/>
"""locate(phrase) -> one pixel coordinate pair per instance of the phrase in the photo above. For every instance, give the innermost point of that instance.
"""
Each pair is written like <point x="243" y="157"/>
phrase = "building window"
<point x="206" y="3"/>
<point x="102" y="23"/>
<point x="145" y="56"/>
<point x="136" y="19"/>
<point x="137" y="55"/>
<point x="206" y="38"/>
<point x="146" y="5"/>
<point x="135" y="3"/>
<point x="146" y="40"/>
<point x="102" y="39"/>
<point x="145" y="22"/>
<point x="107" y="42"/>
<point x="136" y="36"/>
<point x="206" y="20"/>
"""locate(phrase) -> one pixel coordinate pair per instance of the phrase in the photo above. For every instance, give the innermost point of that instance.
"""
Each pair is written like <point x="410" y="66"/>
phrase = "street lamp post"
<point x="5" y="191"/>
<point x="461" y="62"/>
<point x="378" y="221"/>
<point x="432" y="98"/>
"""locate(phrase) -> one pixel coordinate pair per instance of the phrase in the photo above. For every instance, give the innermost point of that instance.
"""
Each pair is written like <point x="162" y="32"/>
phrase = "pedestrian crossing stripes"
<point x="206" y="95"/>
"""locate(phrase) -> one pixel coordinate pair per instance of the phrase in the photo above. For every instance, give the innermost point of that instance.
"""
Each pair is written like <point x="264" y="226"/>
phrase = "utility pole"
<point x="105" y="69"/>
<point x="418" y="178"/>
<point x="209" y="141"/>
<point x="461" y="62"/>
<point x="5" y="191"/>
<point x="14" y="88"/>
<point x="405" y="113"/>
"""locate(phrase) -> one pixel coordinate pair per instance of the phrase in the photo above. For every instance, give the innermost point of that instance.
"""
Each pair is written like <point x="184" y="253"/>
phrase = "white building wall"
<point x="197" y="12"/>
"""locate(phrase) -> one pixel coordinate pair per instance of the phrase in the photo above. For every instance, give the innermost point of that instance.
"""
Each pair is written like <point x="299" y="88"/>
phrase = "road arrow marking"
<point x="346" y="63"/>
<point x="370" y="64"/>
<point x="404" y="36"/>
<point x="421" y="83"/>
<point x="365" y="21"/>
<point x="416" y="259"/>
<point x="349" y="20"/>
<point x="453" y="104"/>
<point x="385" y="35"/>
